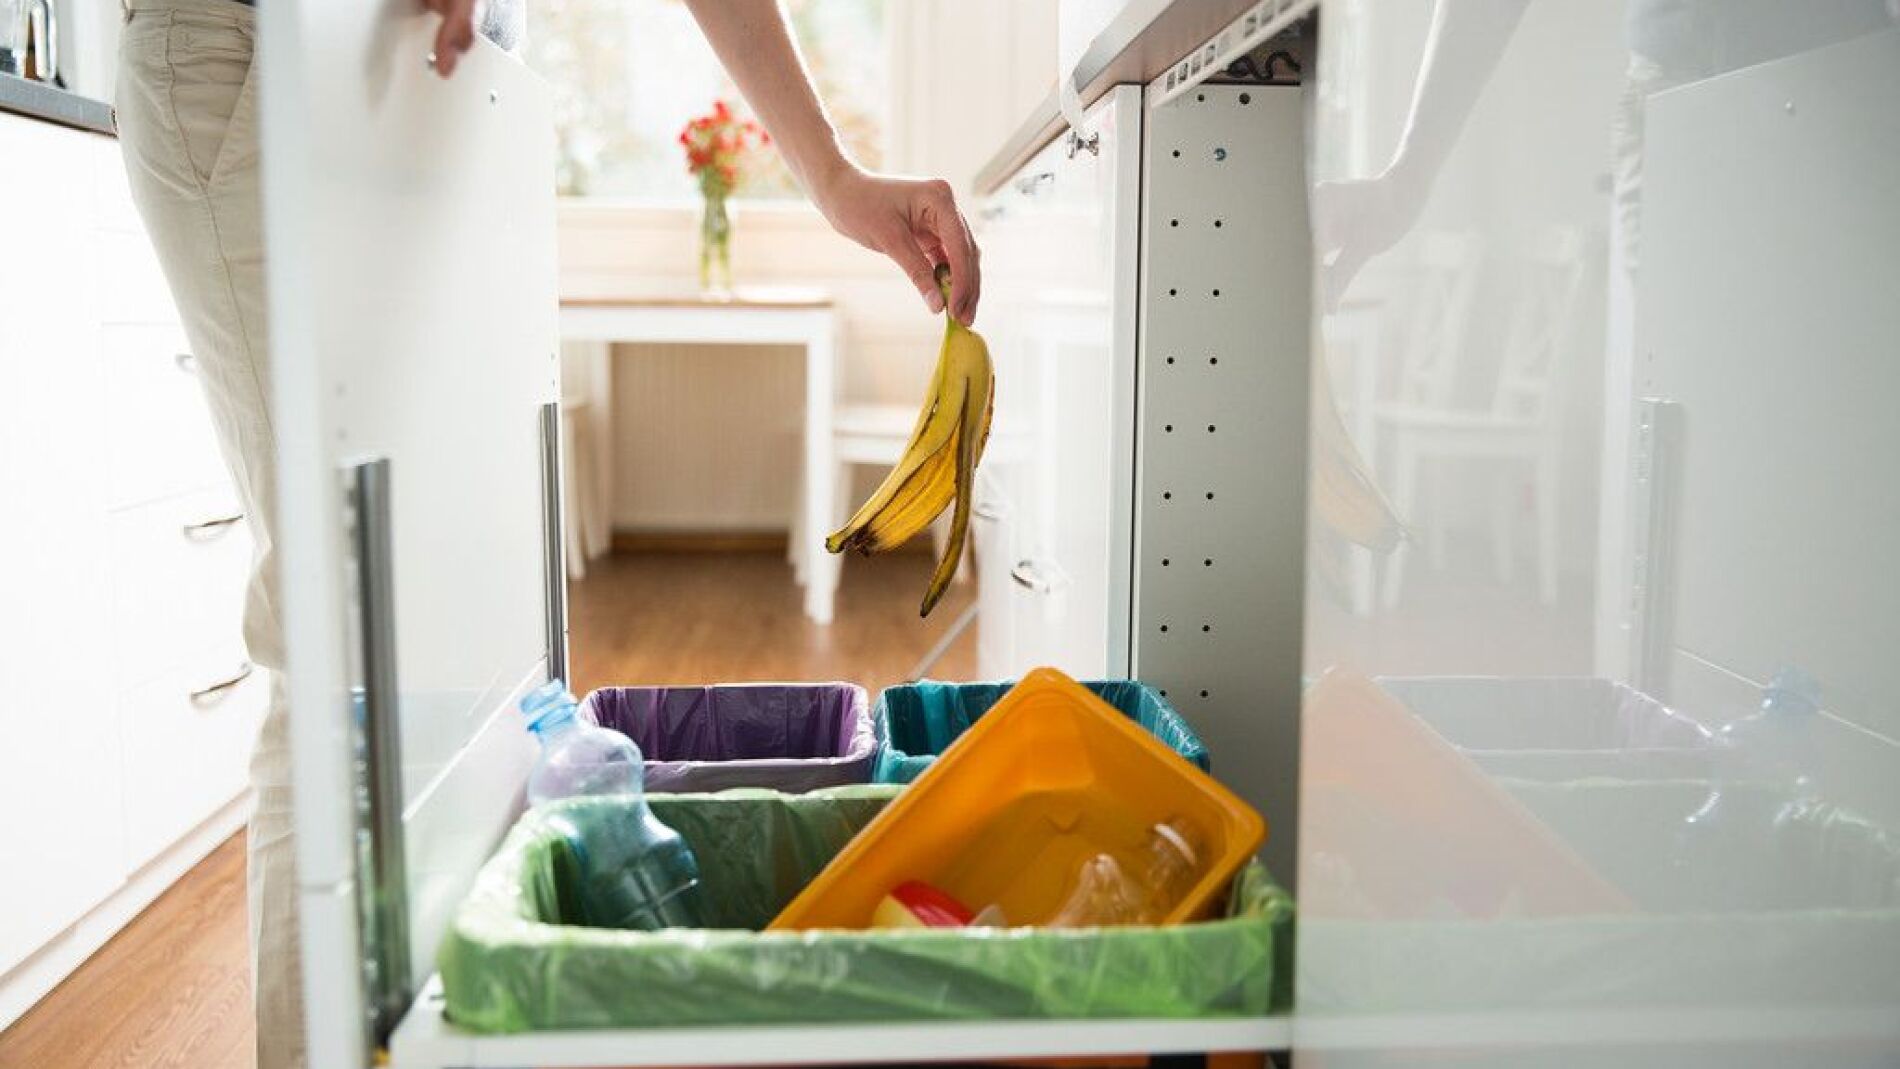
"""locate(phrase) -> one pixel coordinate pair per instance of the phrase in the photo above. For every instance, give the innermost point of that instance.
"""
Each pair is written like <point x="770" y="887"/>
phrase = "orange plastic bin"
<point x="1048" y="778"/>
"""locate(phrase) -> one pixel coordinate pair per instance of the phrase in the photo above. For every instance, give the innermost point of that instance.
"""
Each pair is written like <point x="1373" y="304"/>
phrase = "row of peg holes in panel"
<point x="1212" y="361"/>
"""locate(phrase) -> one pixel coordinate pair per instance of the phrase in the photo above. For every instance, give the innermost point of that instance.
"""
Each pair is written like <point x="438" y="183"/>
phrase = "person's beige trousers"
<point x="187" y="114"/>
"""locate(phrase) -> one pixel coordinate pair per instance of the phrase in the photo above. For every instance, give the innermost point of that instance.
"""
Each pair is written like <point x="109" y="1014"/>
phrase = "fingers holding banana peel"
<point x="455" y="36"/>
<point x="939" y="463"/>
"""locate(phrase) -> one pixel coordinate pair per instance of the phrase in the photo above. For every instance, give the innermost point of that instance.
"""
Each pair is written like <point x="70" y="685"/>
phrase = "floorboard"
<point x="172" y="989"/>
<point x="709" y="618"/>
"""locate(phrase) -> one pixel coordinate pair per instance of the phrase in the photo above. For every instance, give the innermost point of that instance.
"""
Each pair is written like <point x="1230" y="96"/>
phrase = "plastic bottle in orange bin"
<point x="1107" y="894"/>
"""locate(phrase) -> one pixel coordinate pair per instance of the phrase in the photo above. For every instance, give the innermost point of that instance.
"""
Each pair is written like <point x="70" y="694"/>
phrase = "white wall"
<point x="702" y="436"/>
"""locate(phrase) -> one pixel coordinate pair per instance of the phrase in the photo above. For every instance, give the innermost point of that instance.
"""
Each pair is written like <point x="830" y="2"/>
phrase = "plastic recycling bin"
<point x="918" y="721"/>
<point x="510" y="963"/>
<point x="788" y="737"/>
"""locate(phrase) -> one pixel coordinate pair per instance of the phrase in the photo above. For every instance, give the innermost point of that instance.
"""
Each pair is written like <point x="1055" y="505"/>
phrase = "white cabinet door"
<point x="60" y="832"/>
<point x="410" y="226"/>
<point x="1060" y="253"/>
<point x="188" y="735"/>
<point x="158" y="426"/>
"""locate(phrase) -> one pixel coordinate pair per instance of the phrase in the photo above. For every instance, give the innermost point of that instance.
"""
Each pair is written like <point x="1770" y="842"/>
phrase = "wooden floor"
<point x="708" y="618"/>
<point x="173" y="988"/>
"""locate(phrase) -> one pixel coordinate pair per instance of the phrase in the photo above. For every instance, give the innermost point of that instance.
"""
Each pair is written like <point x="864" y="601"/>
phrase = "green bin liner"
<point x="917" y="721"/>
<point x="509" y="965"/>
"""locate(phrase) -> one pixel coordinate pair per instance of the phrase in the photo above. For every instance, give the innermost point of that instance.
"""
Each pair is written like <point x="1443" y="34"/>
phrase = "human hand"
<point x="1355" y="220"/>
<point x="915" y="222"/>
<point x="456" y="35"/>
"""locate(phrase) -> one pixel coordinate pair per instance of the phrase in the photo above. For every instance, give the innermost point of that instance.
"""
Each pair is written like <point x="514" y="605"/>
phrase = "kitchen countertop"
<point x="1142" y="40"/>
<point x="36" y="100"/>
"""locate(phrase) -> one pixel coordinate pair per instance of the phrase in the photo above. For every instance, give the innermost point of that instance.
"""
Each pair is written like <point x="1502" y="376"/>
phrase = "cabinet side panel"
<point x="1220" y="443"/>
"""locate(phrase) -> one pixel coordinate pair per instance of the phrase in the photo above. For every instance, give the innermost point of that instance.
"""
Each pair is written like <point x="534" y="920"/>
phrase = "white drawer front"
<point x="132" y="288"/>
<point x="178" y="570"/>
<point x="187" y="745"/>
<point x="160" y="429"/>
<point x="112" y="193"/>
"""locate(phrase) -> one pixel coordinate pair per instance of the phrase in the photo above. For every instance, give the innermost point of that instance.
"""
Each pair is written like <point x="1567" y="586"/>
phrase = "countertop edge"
<point x="1139" y="45"/>
<point x="46" y="103"/>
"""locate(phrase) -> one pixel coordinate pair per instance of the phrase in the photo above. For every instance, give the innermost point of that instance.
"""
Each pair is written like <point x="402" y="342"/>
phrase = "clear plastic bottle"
<point x="624" y="867"/>
<point x="1774" y="746"/>
<point x="1174" y="865"/>
<point x="1107" y="894"/>
<point x="577" y="756"/>
<point x="1777" y="742"/>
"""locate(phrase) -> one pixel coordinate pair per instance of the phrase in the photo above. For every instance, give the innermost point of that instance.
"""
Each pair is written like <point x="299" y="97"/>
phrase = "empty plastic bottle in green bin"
<point x="621" y="868"/>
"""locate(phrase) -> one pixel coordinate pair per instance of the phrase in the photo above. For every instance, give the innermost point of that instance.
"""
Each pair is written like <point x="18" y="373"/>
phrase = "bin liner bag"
<point x="918" y="721"/>
<point x="786" y="737"/>
<point x="509" y="965"/>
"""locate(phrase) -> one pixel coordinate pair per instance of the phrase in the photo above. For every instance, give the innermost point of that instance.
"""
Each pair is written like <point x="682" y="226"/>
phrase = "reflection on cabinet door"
<point x="1061" y="249"/>
<point x="993" y="527"/>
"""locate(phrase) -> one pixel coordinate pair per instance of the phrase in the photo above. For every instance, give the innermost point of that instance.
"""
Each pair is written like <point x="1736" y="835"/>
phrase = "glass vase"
<point x="715" y="248"/>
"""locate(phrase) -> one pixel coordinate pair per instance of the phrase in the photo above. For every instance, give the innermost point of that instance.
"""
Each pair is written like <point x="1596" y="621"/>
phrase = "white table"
<point x="804" y="318"/>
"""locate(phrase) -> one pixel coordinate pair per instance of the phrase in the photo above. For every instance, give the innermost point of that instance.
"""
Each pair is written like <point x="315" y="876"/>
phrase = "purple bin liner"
<point x="787" y="737"/>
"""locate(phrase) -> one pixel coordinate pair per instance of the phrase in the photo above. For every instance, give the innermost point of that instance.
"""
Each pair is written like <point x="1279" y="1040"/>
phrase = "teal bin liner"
<point x="918" y="721"/>
<point x="510" y="964"/>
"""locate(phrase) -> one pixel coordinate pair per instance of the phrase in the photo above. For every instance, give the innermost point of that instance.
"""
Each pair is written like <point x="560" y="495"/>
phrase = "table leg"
<point x="821" y="568"/>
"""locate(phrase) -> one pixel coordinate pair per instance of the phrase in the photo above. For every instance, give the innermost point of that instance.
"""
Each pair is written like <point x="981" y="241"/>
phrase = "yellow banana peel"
<point x="938" y="466"/>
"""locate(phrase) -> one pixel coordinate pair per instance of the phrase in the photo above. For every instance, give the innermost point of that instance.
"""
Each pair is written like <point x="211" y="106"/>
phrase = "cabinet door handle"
<point x="1029" y="575"/>
<point x="204" y="693"/>
<point x="1031" y="184"/>
<point x="988" y="510"/>
<point x="195" y="531"/>
<point x="186" y="362"/>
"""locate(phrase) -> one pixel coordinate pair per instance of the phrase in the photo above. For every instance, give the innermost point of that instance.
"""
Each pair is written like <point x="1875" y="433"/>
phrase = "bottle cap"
<point x="1792" y="690"/>
<point x="544" y="704"/>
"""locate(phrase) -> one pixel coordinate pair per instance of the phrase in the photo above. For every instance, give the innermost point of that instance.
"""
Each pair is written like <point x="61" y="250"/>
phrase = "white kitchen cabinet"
<point x="414" y="337"/>
<point x="60" y="829"/>
<point x="1060" y="240"/>
<point x="161" y="440"/>
<point x="187" y="739"/>
<point x="123" y="558"/>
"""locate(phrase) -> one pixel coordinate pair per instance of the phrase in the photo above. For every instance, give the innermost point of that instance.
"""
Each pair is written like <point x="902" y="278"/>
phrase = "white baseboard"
<point x="26" y="983"/>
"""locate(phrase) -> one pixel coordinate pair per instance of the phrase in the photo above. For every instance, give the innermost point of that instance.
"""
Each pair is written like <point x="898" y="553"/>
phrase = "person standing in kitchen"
<point x="188" y="127"/>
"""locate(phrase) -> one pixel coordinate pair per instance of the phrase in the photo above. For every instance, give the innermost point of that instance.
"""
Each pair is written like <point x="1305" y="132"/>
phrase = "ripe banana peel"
<point x="939" y="462"/>
<point x="1344" y="495"/>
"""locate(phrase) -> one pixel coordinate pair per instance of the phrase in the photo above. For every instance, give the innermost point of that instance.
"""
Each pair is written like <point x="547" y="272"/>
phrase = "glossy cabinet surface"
<point x="1600" y="761"/>
<point x="410" y="228"/>
<point x="1059" y="248"/>
<point x="62" y="752"/>
<point x="122" y="570"/>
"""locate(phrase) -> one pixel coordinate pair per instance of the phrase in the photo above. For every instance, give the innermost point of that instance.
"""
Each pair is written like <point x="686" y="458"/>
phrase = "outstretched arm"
<point x="1357" y="219"/>
<point x="913" y="221"/>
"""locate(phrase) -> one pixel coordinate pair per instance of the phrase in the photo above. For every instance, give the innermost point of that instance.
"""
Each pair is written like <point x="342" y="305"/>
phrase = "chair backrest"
<point x="1434" y="337"/>
<point x="1543" y="326"/>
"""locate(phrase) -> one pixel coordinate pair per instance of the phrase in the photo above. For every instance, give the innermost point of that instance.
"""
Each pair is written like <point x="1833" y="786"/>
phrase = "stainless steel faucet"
<point x="35" y="30"/>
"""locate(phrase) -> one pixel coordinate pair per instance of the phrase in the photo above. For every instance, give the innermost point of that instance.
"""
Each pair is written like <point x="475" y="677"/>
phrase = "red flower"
<point x="720" y="109"/>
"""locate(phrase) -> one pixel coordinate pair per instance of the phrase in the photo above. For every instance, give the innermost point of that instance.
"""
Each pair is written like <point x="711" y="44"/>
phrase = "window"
<point x="628" y="74"/>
